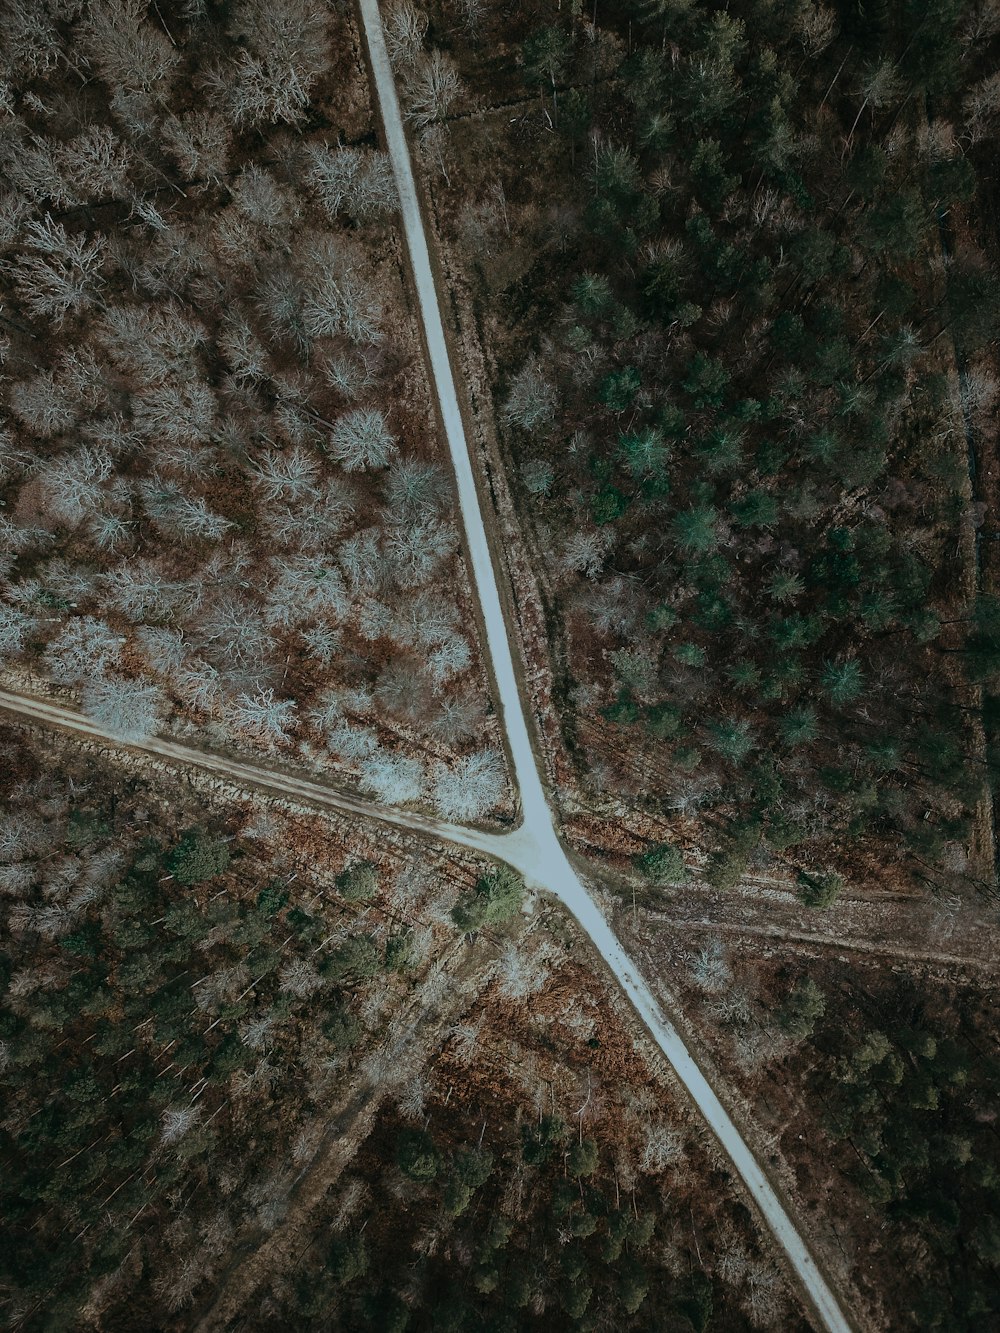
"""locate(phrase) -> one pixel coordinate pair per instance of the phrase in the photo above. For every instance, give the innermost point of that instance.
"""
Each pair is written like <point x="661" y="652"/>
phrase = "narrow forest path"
<point x="535" y="848"/>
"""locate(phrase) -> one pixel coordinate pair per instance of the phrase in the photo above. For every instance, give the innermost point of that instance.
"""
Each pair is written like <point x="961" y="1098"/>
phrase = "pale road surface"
<point x="534" y="848"/>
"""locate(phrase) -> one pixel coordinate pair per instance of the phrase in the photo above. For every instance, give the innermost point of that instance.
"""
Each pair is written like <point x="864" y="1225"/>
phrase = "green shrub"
<point x="804" y="1007"/>
<point x="820" y="890"/>
<point x="416" y="1155"/>
<point x="198" y="856"/>
<point x="662" y="864"/>
<point x="497" y="897"/>
<point x="358" y="882"/>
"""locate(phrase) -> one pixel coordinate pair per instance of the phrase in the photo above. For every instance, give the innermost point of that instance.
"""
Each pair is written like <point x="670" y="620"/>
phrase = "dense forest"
<point x="248" y="1071"/>
<point x="742" y="241"/>
<point x="176" y="1027"/>
<point x="223" y="501"/>
<point x="733" y="271"/>
<point x="881" y="1090"/>
<point x="730" y="268"/>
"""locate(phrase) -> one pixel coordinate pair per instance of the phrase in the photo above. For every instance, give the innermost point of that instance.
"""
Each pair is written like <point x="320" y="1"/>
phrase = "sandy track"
<point x="245" y="774"/>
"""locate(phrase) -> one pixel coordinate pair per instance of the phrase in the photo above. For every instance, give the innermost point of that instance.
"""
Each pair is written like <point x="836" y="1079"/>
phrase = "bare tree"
<point x="531" y="402"/>
<point x="139" y="591"/>
<point x="37" y="171"/>
<point x="354" y="744"/>
<point x="351" y="375"/>
<point x="199" y="142"/>
<point x="304" y="589"/>
<point x="472" y="13"/>
<point x="97" y="164"/>
<point x="280" y="303"/>
<point x="15" y="626"/>
<point x="199" y="683"/>
<point x="583" y="551"/>
<point x="62" y="273"/>
<point x="458" y="718"/>
<point x="412" y="1098"/>
<point x="362" y="560"/>
<point x="313" y="524"/>
<point x="395" y="779"/>
<point x="233" y="628"/>
<point x="179" y="1121"/>
<point x="42" y="405"/>
<point x="432" y="89"/>
<point x="298" y="977"/>
<point x="415" y="552"/>
<point x="816" y="27"/>
<point x="129" y="51"/>
<point x="981" y="23"/>
<point x="71" y="484"/>
<point x="339" y="302"/>
<point x="153" y="343"/>
<point x="661" y="1147"/>
<point x="981" y="106"/>
<point x="763" y="1297"/>
<point x="352" y="180"/>
<point x="292" y="474"/>
<point x="176" y="412"/>
<point x="82" y="650"/>
<point x="261" y="91"/>
<point x="361" y="439"/>
<point x="415" y="489"/>
<point x="405" y="30"/>
<point x="470" y="787"/>
<point x="520" y="973"/>
<point x="880" y="85"/>
<point x="163" y="648"/>
<point x="190" y="516"/>
<point x="979" y="389"/>
<point x="128" y="708"/>
<point x="259" y="197"/>
<point x="263" y="716"/>
<point x="286" y="50"/>
<point x="243" y="351"/>
<point x="709" y="967"/>
<point x="29" y="39"/>
<point x="449" y="659"/>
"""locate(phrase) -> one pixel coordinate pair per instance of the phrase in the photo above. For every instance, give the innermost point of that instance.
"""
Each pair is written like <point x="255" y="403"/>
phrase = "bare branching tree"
<point x="352" y="180"/>
<point x="662" y="1146"/>
<point x="405" y="29"/>
<point x="128" y="50"/>
<point x="432" y="89"/>
<point x="199" y="142"/>
<point x="61" y="272"/>
<point x="521" y="971"/>
<point x="82" y="650"/>
<point x="97" y="164"/>
<point x="394" y="779"/>
<point x="709" y="967"/>
<point x="127" y="708"/>
<point x="264" y="716"/>
<point x="471" y="787"/>
<point x="361" y="439"/>
<point x="304" y="589"/>
<point x="291" y="474"/>
<point x="338" y="301"/>
<point x="531" y="403"/>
